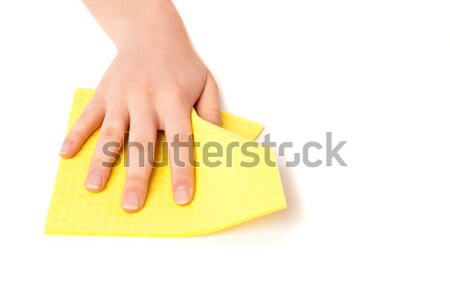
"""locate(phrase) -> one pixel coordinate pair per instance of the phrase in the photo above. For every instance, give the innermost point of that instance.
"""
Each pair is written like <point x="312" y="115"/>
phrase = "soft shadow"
<point x="268" y="228"/>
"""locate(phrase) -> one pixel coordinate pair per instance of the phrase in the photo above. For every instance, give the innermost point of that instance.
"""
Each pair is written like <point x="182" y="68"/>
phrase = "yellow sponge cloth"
<point x="224" y="195"/>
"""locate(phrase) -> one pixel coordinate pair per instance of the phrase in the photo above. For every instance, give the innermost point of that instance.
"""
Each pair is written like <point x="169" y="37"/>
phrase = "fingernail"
<point x="64" y="149"/>
<point x="131" y="202"/>
<point x="94" y="182"/>
<point x="182" y="195"/>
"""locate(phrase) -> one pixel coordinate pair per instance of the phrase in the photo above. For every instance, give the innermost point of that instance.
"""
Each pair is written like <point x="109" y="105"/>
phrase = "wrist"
<point x="157" y="23"/>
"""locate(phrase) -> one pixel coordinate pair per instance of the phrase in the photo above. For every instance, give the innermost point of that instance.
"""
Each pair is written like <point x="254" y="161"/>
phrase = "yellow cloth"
<point x="224" y="196"/>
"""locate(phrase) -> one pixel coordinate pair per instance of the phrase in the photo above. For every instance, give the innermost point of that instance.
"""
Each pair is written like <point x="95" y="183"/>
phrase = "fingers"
<point x="181" y="155"/>
<point x="208" y="106"/>
<point x="89" y="121"/>
<point x="108" y="146"/>
<point x="143" y="131"/>
<point x="141" y="149"/>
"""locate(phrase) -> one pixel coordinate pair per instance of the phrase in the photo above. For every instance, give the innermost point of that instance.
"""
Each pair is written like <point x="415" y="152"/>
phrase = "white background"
<point x="375" y="73"/>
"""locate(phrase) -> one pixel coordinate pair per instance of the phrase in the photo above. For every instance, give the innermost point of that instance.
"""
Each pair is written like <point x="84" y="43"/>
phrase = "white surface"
<point x="375" y="73"/>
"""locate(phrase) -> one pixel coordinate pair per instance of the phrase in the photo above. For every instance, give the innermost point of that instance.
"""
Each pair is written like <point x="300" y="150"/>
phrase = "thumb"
<point x="208" y="106"/>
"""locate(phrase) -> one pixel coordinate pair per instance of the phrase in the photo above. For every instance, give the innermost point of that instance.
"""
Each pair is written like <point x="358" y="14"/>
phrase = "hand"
<point x="153" y="83"/>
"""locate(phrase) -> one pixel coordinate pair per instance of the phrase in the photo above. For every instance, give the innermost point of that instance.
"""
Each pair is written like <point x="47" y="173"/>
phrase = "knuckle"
<point x="177" y="95"/>
<point x="100" y="160"/>
<point x="173" y="93"/>
<point x="182" y="173"/>
<point x="141" y="126"/>
<point x="74" y="135"/>
<point x="141" y="139"/>
<point x="91" y="109"/>
<point x="136" y="180"/>
<point x="183" y="135"/>
<point x="97" y="101"/>
<point x="142" y="134"/>
<point x="112" y="134"/>
<point x="140" y="89"/>
<point x="93" y="105"/>
<point x="214" y="113"/>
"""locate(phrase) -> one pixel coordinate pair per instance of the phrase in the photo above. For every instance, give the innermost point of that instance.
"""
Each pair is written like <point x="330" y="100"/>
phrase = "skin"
<point x="153" y="83"/>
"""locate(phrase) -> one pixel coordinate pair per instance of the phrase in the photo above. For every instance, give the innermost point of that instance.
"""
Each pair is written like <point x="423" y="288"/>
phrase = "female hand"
<point x="152" y="84"/>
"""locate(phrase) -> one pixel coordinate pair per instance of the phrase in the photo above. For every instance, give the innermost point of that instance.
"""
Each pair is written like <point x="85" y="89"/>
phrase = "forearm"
<point x="139" y="22"/>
